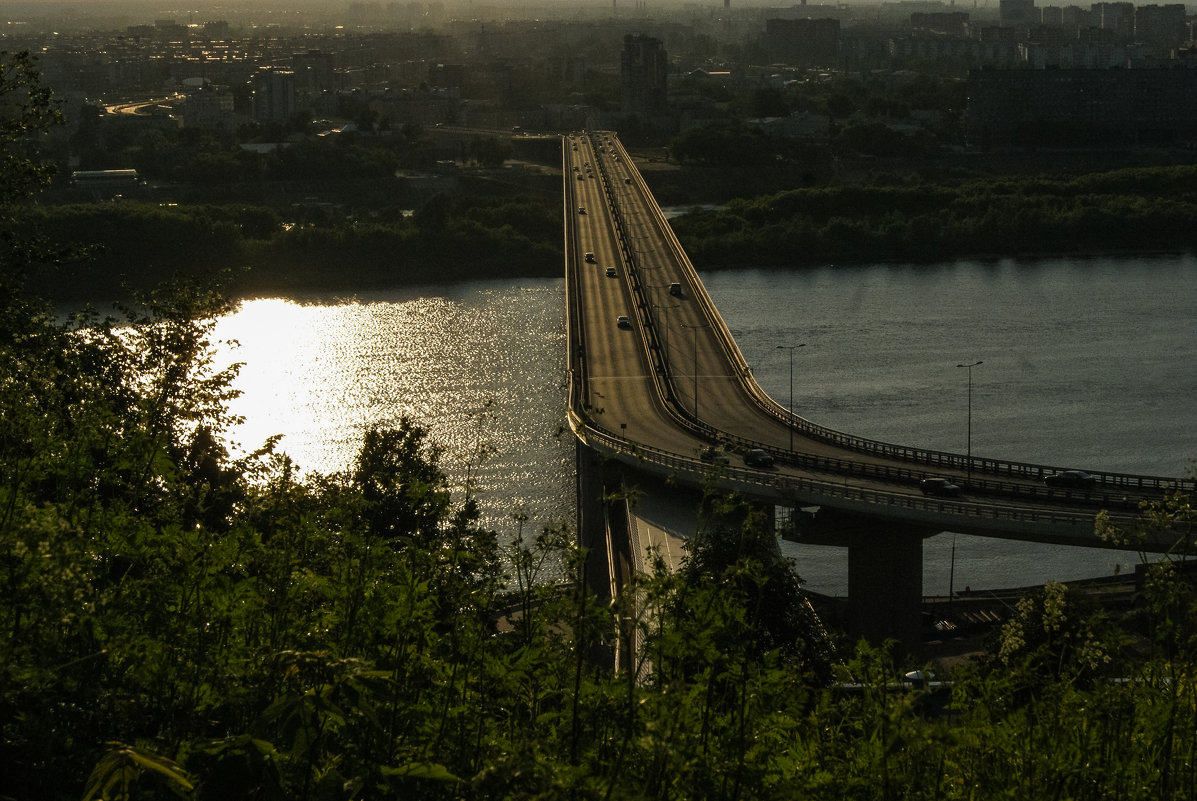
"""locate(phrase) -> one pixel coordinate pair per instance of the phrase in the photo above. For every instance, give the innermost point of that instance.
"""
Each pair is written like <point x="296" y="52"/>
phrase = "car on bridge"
<point x="623" y="322"/>
<point x="589" y="257"/>
<point x="758" y="457"/>
<point x="940" y="487"/>
<point x="1070" y="479"/>
<point x="610" y="272"/>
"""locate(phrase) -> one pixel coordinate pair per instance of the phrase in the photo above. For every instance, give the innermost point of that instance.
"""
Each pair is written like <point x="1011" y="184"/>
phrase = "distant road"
<point x="139" y="106"/>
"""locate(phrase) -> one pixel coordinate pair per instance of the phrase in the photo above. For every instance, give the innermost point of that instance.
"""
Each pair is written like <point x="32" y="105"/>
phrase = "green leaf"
<point x="422" y="770"/>
<point x="123" y="766"/>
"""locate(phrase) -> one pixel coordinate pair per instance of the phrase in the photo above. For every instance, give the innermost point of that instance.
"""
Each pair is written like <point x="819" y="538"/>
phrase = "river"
<point x="1086" y="363"/>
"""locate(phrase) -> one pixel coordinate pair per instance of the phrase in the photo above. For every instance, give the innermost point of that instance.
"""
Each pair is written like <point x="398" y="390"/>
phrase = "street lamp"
<point x="694" y="331"/>
<point x="790" y="348"/>
<point x="968" y="467"/>
<point x="662" y="326"/>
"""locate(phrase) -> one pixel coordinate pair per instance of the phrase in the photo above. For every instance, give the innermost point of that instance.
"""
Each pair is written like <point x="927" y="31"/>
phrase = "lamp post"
<point x="790" y="348"/>
<point x="663" y="326"/>
<point x="952" y="578"/>
<point x="694" y="341"/>
<point x="968" y="466"/>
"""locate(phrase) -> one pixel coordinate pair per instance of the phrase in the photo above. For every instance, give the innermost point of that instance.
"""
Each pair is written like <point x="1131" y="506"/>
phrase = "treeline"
<point x="1143" y="209"/>
<point x="137" y="245"/>
<point x="732" y="143"/>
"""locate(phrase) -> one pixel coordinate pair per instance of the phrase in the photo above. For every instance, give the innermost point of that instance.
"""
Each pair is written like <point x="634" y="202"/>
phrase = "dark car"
<point x="610" y="272"/>
<point x="939" y="486"/>
<point x="712" y="455"/>
<point x="758" y="458"/>
<point x="623" y="322"/>
<point x="1072" y="479"/>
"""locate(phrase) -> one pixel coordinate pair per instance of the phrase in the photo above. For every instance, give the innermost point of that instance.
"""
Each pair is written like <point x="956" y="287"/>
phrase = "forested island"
<point x="1147" y="209"/>
<point x="136" y="245"/>
<point x="483" y="236"/>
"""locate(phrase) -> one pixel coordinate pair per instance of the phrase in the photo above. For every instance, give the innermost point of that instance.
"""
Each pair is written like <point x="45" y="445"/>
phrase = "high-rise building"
<point x="1164" y="25"/>
<point x="313" y="71"/>
<point x="274" y="94"/>
<point x="1118" y="17"/>
<point x="1017" y="13"/>
<point x="642" y="71"/>
<point x="208" y="107"/>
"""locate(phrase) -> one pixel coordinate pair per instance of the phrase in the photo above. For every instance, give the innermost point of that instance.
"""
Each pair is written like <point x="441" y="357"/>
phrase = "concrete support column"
<point x="885" y="585"/>
<point x="591" y="521"/>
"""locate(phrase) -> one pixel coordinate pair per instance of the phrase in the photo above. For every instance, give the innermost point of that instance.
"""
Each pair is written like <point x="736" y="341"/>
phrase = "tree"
<point x="737" y="557"/>
<point x="488" y="151"/>
<point x="27" y="112"/>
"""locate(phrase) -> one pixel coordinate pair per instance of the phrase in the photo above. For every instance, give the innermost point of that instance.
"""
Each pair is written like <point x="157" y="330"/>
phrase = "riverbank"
<point x="1130" y="211"/>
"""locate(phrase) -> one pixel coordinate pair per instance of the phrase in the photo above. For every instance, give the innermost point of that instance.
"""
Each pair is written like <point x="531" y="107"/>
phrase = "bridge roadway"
<point x="655" y="393"/>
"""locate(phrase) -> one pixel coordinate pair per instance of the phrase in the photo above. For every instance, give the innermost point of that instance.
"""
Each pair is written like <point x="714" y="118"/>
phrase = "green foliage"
<point x="1142" y="209"/>
<point x="121" y="770"/>
<point x="27" y="111"/>
<point x="1053" y="640"/>
<point x="488" y="151"/>
<point x="140" y="244"/>
<point x="727" y="144"/>
<point x="875" y="138"/>
<point x="736" y="559"/>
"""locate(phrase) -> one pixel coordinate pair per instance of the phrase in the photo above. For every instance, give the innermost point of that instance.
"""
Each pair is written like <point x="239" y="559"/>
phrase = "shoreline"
<point x="984" y="258"/>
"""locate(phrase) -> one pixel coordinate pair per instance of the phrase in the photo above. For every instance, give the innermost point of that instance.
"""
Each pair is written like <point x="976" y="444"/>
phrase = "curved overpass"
<point x="655" y="393"/>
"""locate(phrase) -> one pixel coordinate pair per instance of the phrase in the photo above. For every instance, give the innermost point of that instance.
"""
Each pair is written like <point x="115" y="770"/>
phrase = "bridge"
<point x="656" y="379"/>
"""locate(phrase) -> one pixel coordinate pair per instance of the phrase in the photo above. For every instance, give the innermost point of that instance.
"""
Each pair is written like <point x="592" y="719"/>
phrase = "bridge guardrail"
<point x="575" y="346"/>
<point x="797" y="486"/>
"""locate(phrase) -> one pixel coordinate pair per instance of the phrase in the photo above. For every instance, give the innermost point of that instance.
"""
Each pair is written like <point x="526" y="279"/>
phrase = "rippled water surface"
<point x="480" y="365"/>
<point x="1087" y="363"/>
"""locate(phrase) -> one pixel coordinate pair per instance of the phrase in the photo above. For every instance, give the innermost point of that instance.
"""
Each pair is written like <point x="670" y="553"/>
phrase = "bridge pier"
<point x="885" y="584"/>
<point x="591" y="519"/>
